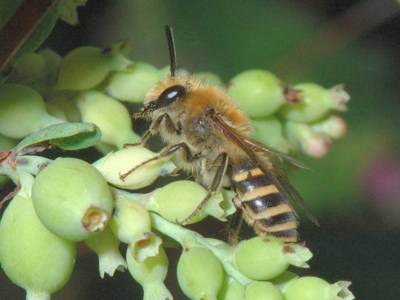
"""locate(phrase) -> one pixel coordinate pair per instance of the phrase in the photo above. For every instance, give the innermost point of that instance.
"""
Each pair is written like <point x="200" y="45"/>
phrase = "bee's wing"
<point x="274" y="169"/>
<point x="259" y="147"/>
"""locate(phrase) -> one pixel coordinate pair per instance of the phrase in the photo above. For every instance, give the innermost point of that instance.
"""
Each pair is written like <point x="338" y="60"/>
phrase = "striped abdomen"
<point x="264" y="206"/>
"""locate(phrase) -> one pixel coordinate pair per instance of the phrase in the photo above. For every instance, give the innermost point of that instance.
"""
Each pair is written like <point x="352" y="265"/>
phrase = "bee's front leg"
<point x="165" y="152"/>
<point x="155" y="128"/>
<point x="222" y="165"/>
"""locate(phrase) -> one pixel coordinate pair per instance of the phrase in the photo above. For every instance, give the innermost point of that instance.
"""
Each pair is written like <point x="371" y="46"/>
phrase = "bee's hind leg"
<point x="234" y="226"/>
<point x="215" y="185"/>
<point x="165" y="152"/>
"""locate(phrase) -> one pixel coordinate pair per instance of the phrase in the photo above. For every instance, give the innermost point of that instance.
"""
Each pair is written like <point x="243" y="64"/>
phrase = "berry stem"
<point x="187" y="238"/>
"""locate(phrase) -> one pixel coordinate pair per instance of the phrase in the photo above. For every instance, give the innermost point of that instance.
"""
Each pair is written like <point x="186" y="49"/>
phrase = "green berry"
<point x="262" y="291"/>
<point x="72" y="199"/>
<point x="200" y="274"/>
<point x="22" y="111"/>
<point x="119" y="162"/>
<point x="315" y="102"/>
<point x="261" y="258"/>
<point x="150" y="274"/>
<point x="106" y="245"/>
<point x="232" y="290"/>
<point x="31" y="256"/>
<point x="269" y="131"/>
<point x="109" y="115"/>
<point x="208" y="78"/>
<point x="130" y="221"/>
<point x="314" y="288"/>
<point x="133" y="83"/>
<point x="85" y="67"/>
<point x="264" y="258"/>
<point x="177" y="200"/>
<point x="259" y="93"/>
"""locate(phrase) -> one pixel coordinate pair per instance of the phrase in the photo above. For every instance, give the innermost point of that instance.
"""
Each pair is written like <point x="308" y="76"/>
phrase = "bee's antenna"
<point x="171" y="48"/>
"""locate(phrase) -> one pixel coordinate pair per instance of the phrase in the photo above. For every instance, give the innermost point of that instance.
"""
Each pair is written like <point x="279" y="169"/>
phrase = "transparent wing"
<point x="269" y="160"/>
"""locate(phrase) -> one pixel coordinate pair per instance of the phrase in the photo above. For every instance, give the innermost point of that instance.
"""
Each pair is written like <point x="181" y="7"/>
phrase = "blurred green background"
<point x="355" y="189"/>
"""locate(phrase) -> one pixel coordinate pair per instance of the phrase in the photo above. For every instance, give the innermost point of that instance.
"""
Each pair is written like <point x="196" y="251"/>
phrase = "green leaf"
<point x="68" y="136"/>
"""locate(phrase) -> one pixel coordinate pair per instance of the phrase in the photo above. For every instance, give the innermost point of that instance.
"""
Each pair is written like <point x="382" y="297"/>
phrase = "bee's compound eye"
<point x="171" y="94"/>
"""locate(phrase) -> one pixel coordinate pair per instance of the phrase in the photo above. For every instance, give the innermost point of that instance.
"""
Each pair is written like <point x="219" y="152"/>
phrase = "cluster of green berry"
<point x="51" y="101"/>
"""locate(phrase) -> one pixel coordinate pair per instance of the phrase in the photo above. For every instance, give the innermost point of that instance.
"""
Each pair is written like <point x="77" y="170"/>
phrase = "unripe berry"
<point x="315" y="102"/>
<point x="31" y="256"/>
<point x="151" y="274"/>
<point x="259" y="93"/>
<point x="22" y="111"/>
<point x="200" y="274"/>
<point x="130" y="221"/>
<point x="133" y="83"/>
<point x="117" y="163"/>
<point x="269" y="131"/>
<point x="264" y="258"/>
<point x="106" y="245"/>
<point x="72" y="199"/>
<point x="177" y="200"/>
<point x="231" y="290"/>
<point x="85" y="67"/>
<point x="314" y="288"/>
<point x="262" y="291"/>
<point x="109" y="115"/>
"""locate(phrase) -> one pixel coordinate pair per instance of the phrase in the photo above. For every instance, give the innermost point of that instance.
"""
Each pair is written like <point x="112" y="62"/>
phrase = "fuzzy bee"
<point x="209" y="137"/>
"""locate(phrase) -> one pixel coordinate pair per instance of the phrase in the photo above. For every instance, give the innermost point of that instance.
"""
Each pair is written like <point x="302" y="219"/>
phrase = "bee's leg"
<point x="234" y="227"/>
<point x="155" y="128"/>
<point x="167" y="151"/>
<point x="215" y="185"/>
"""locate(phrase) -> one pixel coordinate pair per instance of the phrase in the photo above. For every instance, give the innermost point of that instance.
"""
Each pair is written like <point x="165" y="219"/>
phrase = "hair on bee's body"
<point x="209" y="137"/>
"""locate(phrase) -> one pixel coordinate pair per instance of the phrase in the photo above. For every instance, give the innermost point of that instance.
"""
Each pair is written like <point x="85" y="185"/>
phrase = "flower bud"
<point x="231" y="290"/>
<point x="117" y="163"/>
<point x="85" y="67"/>
<point x="200" y="273"/>
<point x="72" y="199"/>
<point x="259" y="93"/>
<point x="109" y="115"/>
<point x="106" y="245"/>
<point x="208" y="78"/>
<point x="31" y="256"/>
<point x="28" y="68"/>
<point x="303" y="137"/>
<point x="63" y="108"/>
<point x="22" y="111"/>
<point x="314" y="288"/>
<point x="262" y="291"/>
<point x="150" y="274"/>
<point x="269" y="131"/>
<point x="264" y="258"/>
<point x="133" y="83"/>
<point x="315" y="102"/>
<point x="177" y="200"/>
<point x="333" y="126"/>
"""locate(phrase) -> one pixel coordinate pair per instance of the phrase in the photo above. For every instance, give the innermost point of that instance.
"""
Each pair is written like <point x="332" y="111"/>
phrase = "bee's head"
<point x="169" y="91"/>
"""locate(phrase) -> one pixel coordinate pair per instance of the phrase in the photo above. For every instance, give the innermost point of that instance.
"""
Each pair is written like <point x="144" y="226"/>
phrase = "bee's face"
<point x="167" y="97"/>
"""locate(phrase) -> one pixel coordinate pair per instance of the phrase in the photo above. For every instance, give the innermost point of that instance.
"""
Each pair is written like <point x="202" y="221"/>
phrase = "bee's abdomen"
<point x="265" y="207"/>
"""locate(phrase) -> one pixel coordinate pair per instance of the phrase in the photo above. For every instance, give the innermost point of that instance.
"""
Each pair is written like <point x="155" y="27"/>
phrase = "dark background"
<point x="355" y="189"/>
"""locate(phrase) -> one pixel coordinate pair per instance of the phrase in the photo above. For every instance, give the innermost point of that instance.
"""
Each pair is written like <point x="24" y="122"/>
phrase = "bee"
<point x="209" y="137"/>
